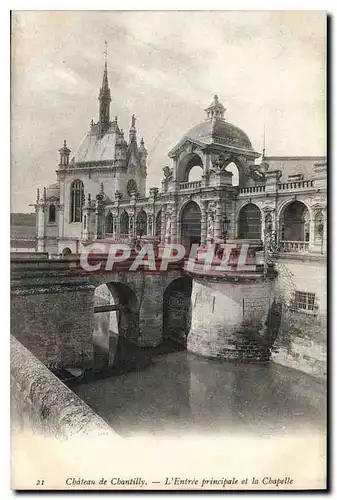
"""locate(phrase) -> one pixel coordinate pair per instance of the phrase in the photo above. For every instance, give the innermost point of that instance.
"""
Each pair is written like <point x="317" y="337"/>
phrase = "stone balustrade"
<point x="294" y="246"/>
<point x="190" y="185"/>
<point x="281" y="186"/>
<point x="252" y="189"/>
<point x="285" y="186"/>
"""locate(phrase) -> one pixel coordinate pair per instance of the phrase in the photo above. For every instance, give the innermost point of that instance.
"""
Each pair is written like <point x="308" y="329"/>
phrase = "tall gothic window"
<point x="52" y="213"/>
<point x="77" y="198"/>
<point x="109" y="223"/>
<point x="141" y="223"/>
<point x="124" y="223"/>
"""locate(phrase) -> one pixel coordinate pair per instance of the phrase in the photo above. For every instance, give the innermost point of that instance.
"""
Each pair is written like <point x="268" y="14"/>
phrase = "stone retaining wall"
<point x="40" y="401"/>
<point x="302" y="342"/>
<point x="303" y="354"/>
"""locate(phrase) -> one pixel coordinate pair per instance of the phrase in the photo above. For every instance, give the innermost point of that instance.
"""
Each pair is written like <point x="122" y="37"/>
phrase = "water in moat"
<point x="180" y="394"/>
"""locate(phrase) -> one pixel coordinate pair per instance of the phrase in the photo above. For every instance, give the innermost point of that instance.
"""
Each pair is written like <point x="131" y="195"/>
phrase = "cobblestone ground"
<point x="180" y="394"/>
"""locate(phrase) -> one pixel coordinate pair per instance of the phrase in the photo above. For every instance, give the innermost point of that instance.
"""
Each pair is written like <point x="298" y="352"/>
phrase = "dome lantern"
<point x="215" y="109"/>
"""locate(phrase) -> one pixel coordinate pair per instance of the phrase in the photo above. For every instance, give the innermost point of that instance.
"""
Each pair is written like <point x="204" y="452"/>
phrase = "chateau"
<point x="240" y="195"/>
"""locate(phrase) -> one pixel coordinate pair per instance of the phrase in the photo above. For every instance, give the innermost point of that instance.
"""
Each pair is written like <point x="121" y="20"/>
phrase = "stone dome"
<point x="218" y="130"/>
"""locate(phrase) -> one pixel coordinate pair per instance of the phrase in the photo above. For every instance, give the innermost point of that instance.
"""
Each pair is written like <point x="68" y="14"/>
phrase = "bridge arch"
<point x="116" y="323"/>
<point x="177" y="309"/>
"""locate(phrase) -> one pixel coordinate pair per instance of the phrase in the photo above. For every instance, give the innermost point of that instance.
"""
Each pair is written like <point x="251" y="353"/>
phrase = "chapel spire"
<point x="104" y="97"/>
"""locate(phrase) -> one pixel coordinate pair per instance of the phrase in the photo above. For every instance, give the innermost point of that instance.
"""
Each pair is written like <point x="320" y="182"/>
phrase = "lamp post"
<point x="226" y="223"/>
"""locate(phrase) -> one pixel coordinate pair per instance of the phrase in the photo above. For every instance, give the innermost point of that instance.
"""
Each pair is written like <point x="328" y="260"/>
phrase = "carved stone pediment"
<point x="185" y="146"/>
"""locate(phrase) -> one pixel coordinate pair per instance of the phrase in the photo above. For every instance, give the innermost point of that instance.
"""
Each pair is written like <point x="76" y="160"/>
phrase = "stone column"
<point x="218" y="221"/>
<point x="232" y="217"/>
<point x="173" y="223"/>
<point x="118" y="215"/>
<point x="163" y="224"/>
<point x="149" y="225"/>
<point x="325" y="231"/>
<point x="203" y="223"/>
<point x="131" y="226"/>
<point x="41" y="224"/>
<point x="312" y="232"/>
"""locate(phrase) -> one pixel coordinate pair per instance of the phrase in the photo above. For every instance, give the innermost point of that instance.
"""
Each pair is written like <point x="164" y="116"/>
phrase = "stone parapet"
<point x="40" y="401"/>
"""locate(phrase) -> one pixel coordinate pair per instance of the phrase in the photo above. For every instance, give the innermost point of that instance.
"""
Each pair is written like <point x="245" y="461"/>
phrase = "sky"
<point x="268" y="69"/>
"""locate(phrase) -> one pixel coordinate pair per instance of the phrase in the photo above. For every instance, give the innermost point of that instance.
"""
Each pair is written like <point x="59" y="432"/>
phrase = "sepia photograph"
<point x="168" y="250"/>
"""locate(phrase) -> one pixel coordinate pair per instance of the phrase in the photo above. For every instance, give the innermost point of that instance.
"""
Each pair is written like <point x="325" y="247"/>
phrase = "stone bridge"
<point x="55" y="306"/>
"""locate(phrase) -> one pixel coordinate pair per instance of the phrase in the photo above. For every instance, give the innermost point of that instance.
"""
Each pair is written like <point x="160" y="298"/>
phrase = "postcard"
<point x="168" y="250"/>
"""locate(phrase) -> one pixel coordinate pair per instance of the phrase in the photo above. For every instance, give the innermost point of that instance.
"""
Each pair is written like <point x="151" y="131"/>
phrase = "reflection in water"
<point x="180" y="394"/>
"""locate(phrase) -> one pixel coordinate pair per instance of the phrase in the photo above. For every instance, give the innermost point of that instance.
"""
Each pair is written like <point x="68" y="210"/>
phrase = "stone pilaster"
<point x="163" y="224"/>
<point x="272" y="180"/>
<point x="131" y="226"/>
<point x="117" y="220"/>
<point x="149" y="225"/>
<point x="218" y="221"/>
<point x="41" y="211"/>
<point x="173" y="223"/>
<point x="203" y="223"/>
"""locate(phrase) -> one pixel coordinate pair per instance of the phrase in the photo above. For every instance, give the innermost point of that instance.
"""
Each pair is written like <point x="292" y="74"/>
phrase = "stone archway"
<point x="190" y="224"/>
<point x="141" y="223"/>
<point x="116" y="325"/>
<point x="294" y="226"/>
<point x="177" y="309"/>
<point x="234" y="170"/>
<point x="249" y="222"/>
<point x="186" y="164"/>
